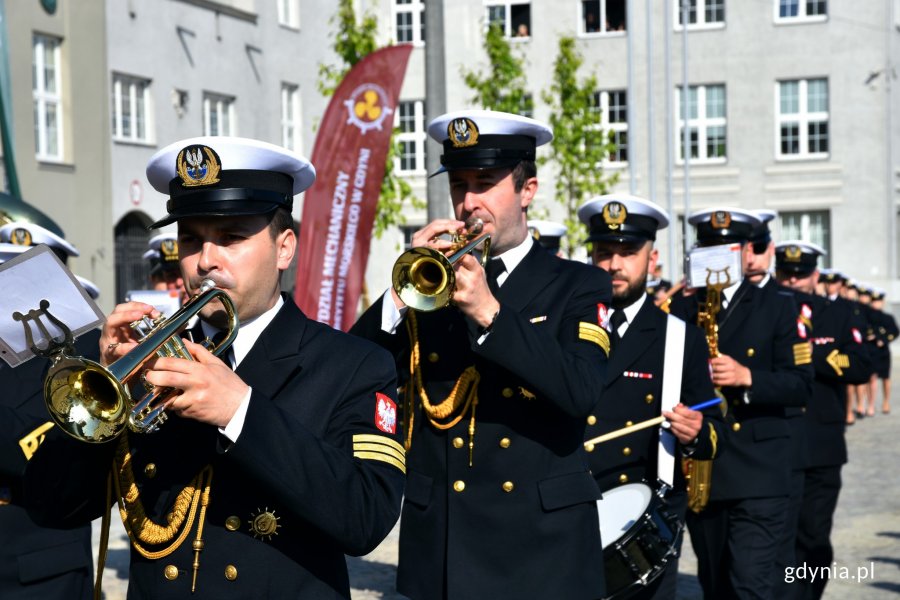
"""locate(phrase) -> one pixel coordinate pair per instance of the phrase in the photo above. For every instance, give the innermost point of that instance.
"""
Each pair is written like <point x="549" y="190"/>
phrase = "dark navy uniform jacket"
<point x="311" y="453"/>
<point x="840" y="357"/>
<point x="633" y="393"/>
<point x="759" y="330"/>
<point x="35" y="561"/>
<point x="521" y="521"/>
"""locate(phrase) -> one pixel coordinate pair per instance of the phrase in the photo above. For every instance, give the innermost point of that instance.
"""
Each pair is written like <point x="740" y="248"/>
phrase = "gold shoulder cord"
<point x="140" y="529"/>
<point x="461" y="398"/>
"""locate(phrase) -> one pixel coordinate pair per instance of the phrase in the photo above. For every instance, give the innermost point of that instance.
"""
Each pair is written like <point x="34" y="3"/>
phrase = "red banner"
<point x="339" y="209"/>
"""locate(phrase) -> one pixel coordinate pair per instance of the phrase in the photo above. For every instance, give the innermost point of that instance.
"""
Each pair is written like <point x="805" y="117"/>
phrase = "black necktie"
<point x="227" y="357"/>
<point x="616" y="320"/>
<point x="494" y="269"/>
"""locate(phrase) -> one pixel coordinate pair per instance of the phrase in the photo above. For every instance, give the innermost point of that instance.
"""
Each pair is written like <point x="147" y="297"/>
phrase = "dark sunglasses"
<point x="759" y="247"/>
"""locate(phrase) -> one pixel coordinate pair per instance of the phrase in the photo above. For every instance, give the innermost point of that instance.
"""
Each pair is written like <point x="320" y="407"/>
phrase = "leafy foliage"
<point x="503" y="86"/>
<point x="579" y="145"/>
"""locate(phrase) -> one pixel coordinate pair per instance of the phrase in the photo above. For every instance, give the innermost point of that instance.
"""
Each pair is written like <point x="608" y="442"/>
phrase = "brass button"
<point x="589" y="447"/>
<point x="504" y="443"/>
<point x="508" y="486"/>
<point x="736" y="427"/>
<point x="433" y="357"/>
<point x="150" y="471"/>
<point x="803" y="409"/>
<point x="628" y="423"/>
<point x="591" y="420"/>
<point x="623" y="478"/>
<point x="457" y="442"/>
<point x="626" y="451"/>
<point x="751" y="352"/>
<point x="171" y="572"/>
<point x="459" y="485"/>
<point x="230" y="572"/>
<point x="507" y="392"/>
<point x="649" y="398"/>
<point x="233" y="523"/>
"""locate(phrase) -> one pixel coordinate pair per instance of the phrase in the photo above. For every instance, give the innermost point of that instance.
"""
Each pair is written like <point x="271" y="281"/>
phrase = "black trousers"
<point x="736" y="543"/>
<point x="787" y="544"/>
<point x="820" y="496"/>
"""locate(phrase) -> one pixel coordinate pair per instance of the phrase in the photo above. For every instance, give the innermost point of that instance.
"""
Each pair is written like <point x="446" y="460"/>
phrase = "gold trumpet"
<point x="424" y="278"/>
<point x="92" y="403"/>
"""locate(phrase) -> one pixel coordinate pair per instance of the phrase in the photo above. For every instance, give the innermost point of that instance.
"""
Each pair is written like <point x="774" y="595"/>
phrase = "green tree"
<point x="502" y="87"/>
<point x="579" y="145"/>
<point x="352" y="42"/>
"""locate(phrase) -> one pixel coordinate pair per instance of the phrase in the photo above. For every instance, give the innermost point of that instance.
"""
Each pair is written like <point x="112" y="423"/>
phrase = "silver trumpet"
<point x="92" y="403"/>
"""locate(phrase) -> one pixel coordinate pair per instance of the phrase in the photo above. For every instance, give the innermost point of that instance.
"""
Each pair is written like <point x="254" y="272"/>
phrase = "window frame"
<point x="602" y="31"/>
<point x="701" y="7"/>
<point x="416" y="10"/>
<point x="507" y="20"/>
<point x="42" y="98"/>
<point x="702" y="123"/>
<point x="119" y="80"/>
<point x="417" y="136"/>
<point x="221" y="101"/>
<point x="291" y="123"/>
<point x="802" y="17"/>
<point x="601" y="102"/>
<point x="803" y="119"/>
<point x="288" y="13"/>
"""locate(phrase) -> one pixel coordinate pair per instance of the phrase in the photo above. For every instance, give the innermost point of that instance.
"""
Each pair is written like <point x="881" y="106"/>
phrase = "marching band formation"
<point x="542" y="428"/>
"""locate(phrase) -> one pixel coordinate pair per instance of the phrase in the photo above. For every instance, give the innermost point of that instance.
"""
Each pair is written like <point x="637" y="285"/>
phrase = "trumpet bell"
<point x="85" y="400"/>
<point x="424" y="279"/>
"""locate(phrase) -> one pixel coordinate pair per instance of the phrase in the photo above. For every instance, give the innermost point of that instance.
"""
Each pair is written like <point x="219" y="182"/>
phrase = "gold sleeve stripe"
<point x="379" y="448"/>
<point x="30" y="443"/>
<point x="802" y="353"/>
<point x="594" y="333"/>
<point x="382" y="457"/>
<point x="379" y="439"/>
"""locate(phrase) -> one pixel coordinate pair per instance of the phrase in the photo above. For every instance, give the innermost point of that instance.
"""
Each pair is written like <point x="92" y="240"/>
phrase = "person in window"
<point x="522" y="30"/>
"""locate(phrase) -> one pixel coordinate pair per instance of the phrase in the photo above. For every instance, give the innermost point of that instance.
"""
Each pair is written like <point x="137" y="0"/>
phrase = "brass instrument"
<point x="424" y="278"/>
<point x="698" y="473"/>
<point x="92" y="403"/>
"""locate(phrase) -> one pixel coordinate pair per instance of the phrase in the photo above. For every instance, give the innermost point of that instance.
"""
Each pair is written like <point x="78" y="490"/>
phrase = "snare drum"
<point x="639" y="532"/>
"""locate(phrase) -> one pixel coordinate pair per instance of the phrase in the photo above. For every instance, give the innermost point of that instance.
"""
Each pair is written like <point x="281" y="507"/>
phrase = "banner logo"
<point x="368" y="107"/>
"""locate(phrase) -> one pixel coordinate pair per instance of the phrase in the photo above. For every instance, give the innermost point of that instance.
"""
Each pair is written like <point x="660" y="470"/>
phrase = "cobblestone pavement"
<point x="866" y="533"/>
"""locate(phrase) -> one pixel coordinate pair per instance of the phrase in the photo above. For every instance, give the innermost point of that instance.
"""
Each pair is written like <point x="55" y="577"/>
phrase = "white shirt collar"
<point x="631" y="312"/>
<point x="248" y="333"/>
<point x="764" y="281"/>
<point x="730" y="290"/>
<point x="512" y="257"/>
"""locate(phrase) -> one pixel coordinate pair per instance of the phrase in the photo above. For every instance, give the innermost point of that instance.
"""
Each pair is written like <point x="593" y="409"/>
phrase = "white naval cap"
<point x="547" y="233"/>
<point x="89" y="286"/>
<point x="10" y="251"/>
<point x="797" y="256"/>
<point x="762" y="233"/>
<point x="622" y="218"/>
<point x="26" y="234"/>
<point x="227" y="176"/>
<point x="162" y="252"/>
<point x="724" y="225"/>
<point x="486" y="139"/>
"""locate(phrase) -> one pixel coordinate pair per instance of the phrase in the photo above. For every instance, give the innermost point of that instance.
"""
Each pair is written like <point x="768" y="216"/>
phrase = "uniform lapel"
<point x="276" y="356"/>
<point x="530" y="277"/>
<point x="731" y="319"/>
<point x="639" y="337"/>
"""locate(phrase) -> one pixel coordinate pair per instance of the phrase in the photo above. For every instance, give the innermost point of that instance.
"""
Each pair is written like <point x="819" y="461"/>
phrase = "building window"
<point x="408" y="231"/>
<point x="612" y="122"/>
<point x="802" y="118"/>
<point x="602" y="16"/>
<point x="809" y="226"/>
<point x="797" y="10"/>
<point x="409" y="19"/>
<point x="130" y="108"/>
<point x="701" y="13"/>
<point x="290" y="117"/>
<point x="514" y="18"/>
<point x="706" y="123"/>
<point x="131" y="237"/>
<point x="47" y="94"/>
<point x="289" y="13"/>
<point x="410" y="121"/>
<point x="218" y="115"/>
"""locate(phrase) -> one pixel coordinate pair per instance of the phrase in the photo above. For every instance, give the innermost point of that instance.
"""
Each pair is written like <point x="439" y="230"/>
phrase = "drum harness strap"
<point x="673" y="362"/>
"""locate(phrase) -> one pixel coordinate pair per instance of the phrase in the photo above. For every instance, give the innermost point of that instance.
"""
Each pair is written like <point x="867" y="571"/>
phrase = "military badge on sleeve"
<point x="857" y="336"/>
<point x="385" y="413"/>
<point x="603" y="316"/>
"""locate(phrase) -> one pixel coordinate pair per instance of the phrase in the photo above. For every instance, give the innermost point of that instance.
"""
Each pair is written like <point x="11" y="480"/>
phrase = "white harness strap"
<point x="673" y="362"/>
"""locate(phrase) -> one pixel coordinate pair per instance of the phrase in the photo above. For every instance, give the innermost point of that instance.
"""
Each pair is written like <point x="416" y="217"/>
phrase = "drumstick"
<point x="645" y="424"/>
